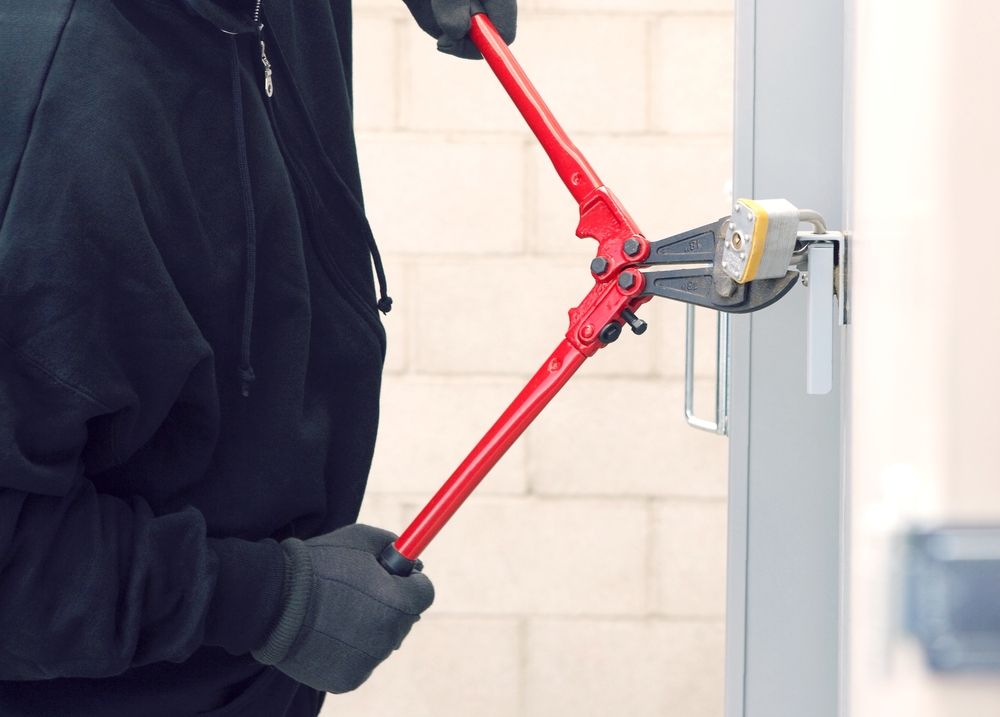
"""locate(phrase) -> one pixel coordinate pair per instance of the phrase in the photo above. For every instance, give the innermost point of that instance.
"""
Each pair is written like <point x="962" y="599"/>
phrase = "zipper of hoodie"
<point x="327" y="263"/>
<point x="268" y="72"/>
<point x="268" y="81"/>
<point x="341" y="283"/>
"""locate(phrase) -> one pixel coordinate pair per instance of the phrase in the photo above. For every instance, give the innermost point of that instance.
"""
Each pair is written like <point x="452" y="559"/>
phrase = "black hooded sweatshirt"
<point x="190" y="351"/>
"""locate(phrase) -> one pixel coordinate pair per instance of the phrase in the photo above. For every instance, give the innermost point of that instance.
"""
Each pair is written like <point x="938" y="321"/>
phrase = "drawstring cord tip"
<point x="385" y="304"/>
<point x="247" y="377"/>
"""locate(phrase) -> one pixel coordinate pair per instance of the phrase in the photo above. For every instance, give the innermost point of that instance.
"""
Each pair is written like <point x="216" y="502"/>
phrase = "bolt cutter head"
<point x="708" y="284"/>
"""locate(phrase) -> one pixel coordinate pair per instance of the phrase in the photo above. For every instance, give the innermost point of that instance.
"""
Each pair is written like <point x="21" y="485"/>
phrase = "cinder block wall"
<point x="587" y="575"/>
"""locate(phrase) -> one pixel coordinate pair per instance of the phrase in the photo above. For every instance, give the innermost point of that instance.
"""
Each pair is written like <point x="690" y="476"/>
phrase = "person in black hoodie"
<point x="190" y="359"/>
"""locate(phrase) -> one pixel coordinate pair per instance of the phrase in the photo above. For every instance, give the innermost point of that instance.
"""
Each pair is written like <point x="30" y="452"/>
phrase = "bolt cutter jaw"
<point x="708" y="285"/>
<point x="621" y="287"/>
<point x="698" y="287"/>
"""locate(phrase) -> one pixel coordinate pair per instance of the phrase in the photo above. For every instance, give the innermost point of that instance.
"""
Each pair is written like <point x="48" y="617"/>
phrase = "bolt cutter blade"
<point x="691" y="247"/>
<point x="698" y="287"/>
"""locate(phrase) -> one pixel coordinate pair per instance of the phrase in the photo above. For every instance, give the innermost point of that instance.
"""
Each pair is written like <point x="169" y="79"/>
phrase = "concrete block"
<point x="668" y="185"/>
<point x="379" y="7"/>
<point x="384" y="511"/>
<point x="428" y="425"/>
<point x="585" y="667"/>
<point x="624" y="667"/>
<point x="693" y="678"/>
<point x="591" y="70"/>
<point x="492" y="315"/>
<point x="440" y="92"/>
<point x="630" y="357"/>
<point x="375" y="79"/>
<point x="525" y="556"/>
<point x="692" y="74"/>
<point x="581" y="445"/>
<point x="667" y="320"/>
<point x="689" y="564"/>
<point x="428" y="194"/>
<point x="505" y="317"/>
<point x="629" y="7"/>
<point x="450" y="666"/>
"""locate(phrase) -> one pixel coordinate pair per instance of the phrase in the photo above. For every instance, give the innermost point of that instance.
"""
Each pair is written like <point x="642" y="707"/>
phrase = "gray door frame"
<point x="784" y="580"/>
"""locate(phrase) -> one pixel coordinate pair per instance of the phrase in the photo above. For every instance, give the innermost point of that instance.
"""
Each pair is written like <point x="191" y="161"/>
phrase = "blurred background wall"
<point x="925" y="345"/>
<point x="587" y="575"/>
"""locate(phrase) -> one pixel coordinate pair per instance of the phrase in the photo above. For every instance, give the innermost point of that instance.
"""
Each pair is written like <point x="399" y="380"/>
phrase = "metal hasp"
<point x="819" y="324"/>
<point x="762" y="244"/>
<point x="620" y="288"/>
<point x="770" y="228"/>
<point x="824" y="269"/>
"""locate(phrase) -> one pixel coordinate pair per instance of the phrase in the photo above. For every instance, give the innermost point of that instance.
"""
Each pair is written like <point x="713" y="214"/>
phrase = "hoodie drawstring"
<point x="245" y="369"/>
<point x="385" y="301"/>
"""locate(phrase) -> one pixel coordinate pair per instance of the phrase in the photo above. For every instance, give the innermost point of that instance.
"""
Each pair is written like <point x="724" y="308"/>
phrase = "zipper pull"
<point x="268" y="82"/>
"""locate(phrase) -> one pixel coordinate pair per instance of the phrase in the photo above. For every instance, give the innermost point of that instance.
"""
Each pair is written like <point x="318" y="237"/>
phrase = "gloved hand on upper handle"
<point x="343" y="614"/>
<point x="449" y="21"/>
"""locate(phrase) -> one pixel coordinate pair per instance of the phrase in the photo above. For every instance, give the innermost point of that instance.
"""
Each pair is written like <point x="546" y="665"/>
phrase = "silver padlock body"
<point x="760" y="238"/>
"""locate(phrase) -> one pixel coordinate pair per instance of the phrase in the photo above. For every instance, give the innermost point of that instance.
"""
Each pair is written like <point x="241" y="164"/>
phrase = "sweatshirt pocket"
<point x="319" y="221"/>
<point x="349" y="293"/>
<point x="347" y="289"/>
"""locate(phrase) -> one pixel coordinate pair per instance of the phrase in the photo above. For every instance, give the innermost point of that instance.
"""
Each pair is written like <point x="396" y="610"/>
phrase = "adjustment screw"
<point x="610" y="333"/>
<point x="632" y="247"/>
<point x="637" y="325"/>
<point x="599" y="266"/>
<point x="626" y="281"/>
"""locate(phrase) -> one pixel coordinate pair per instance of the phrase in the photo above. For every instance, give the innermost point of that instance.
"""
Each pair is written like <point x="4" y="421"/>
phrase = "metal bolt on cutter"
<point x="737" y="264"/>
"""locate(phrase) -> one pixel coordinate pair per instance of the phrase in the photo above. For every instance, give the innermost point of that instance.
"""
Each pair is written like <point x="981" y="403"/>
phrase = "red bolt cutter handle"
<point x="522" y="411"/>
<point x="601" y="217"/>
<point x="574" y="170"/>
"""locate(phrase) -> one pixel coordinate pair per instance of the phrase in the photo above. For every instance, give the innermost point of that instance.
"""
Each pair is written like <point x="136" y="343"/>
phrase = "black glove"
<point x="449" y="22"/>
<point x="343" y="613"/>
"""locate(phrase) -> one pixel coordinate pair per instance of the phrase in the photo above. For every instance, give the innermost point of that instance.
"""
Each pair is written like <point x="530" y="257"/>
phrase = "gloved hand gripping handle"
<point x="593" y="324"/>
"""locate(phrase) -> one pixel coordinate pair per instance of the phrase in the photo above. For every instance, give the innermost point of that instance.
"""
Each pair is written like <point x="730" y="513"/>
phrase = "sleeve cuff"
<point x="298" y="578"/>
<point x="248" y="593"/>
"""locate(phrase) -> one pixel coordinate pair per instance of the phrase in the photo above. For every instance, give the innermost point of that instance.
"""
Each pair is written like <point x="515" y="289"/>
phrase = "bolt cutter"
<point x="737" y="264"/>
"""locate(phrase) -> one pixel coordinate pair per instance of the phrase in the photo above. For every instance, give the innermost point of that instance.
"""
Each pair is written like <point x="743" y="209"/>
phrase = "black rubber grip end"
<point x="396" y="563"/>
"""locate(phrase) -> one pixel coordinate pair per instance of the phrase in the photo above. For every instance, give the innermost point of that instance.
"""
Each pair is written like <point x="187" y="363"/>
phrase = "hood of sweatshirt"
<point x="231" y="16"/>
